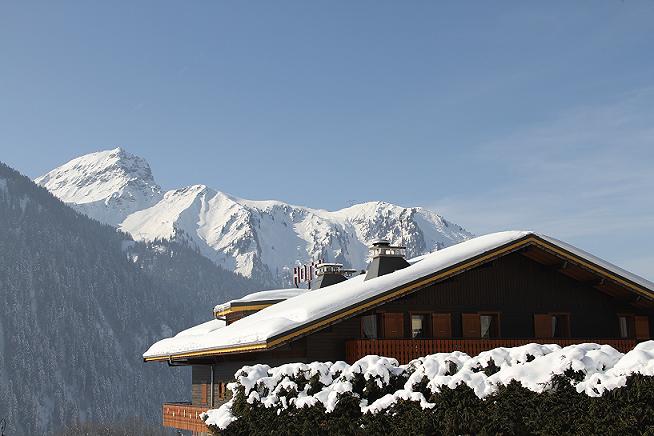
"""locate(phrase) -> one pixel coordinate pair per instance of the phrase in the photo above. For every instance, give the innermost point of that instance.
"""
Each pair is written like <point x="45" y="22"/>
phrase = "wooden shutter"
<point x="471" y="325"/>
<point x="641" y="327"/>
<point x="441" y="324"/>
<point x="393" y="325"/>
<point x="543" y="325"/>
<point x="203" y="393"/>
<point x="564" y="324"/>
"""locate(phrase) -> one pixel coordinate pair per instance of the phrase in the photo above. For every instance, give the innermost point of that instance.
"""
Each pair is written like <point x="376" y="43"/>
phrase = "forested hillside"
<point x="80" y="303"/>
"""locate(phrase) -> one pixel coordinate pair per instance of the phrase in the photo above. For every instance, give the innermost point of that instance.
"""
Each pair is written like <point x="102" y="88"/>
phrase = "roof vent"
<point x="331" y="273"/>
<point x="385" y="259"/>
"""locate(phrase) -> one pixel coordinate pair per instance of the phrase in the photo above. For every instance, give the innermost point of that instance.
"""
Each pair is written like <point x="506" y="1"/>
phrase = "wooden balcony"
<point x="184" y="416"/>
<point x="405" y="350"/>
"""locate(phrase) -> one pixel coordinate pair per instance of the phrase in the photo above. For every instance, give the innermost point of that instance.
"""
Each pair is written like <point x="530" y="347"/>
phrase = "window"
<point x="489" y="324"/>
<point x="481" y="325"/>
<point x="552" y="325"/>
<point x="633" y="326"/>
<point x="560" y="325"/>
<point x="624" y="327"/>
<point x="369" y="327"/>
<point x="418" y="326"/>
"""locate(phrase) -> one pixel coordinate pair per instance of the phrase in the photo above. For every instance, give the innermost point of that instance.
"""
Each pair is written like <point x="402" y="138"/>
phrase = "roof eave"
<point x="208" y="352"/>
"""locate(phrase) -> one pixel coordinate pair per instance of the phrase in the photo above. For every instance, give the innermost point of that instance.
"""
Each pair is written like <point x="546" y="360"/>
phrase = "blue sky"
<point x="498" y="115"/>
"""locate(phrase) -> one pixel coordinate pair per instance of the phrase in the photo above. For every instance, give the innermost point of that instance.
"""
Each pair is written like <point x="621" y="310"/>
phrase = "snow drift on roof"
<point x="270" y="295"/>
<point x="202" y="329"/>
<point x="281" y="294"/>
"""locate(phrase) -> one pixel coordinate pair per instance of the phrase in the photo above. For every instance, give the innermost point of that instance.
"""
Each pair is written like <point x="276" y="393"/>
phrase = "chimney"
<point x="385" y="259"/>
<point x="330" y="274"/>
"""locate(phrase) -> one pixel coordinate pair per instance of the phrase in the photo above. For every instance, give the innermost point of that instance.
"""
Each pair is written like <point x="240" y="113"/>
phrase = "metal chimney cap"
<point x="329" y="268"/>
<point x="325" y="264"/>
<point x="381" y="243"/>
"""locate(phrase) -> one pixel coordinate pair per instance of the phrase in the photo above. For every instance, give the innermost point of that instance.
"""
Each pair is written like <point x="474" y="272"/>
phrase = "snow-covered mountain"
<point x="259" y="239"/>
<point x="107" y="185"/>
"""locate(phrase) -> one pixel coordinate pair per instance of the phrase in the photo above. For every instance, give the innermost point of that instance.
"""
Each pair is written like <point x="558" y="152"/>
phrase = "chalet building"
<point x="502" y="289"/>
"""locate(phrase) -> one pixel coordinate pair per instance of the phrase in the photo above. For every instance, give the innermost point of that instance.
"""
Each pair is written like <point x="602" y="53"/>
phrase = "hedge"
<point x="512" y="410"/>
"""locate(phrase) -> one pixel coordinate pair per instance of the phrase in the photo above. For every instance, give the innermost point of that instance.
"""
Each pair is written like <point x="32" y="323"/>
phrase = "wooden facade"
<point x="515" y="299"/>
<point x="405" y="350"/>
<point x="515" y="288"/>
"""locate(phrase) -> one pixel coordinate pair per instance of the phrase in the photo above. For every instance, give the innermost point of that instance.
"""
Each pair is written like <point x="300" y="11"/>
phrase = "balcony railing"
<point x="405" y="350"/>
<point x="184" y="416"/>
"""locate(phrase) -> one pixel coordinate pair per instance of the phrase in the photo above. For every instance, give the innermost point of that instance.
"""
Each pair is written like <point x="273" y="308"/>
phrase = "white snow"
<point x="261" y="296"/>
<point x="261" y="239"/>
<point x="533" y="365"/>
<point x="316" y="304"/>
<point x="107" y="185"/>
<point x="202" y="329"/>
<point x="279" y="235"/>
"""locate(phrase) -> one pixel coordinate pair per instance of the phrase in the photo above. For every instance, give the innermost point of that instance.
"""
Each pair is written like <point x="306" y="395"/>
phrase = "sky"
<point x="498" y="115"/>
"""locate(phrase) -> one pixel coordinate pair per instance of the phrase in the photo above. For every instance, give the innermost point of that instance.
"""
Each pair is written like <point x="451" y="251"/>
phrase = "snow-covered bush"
<point x="529" y="389"/>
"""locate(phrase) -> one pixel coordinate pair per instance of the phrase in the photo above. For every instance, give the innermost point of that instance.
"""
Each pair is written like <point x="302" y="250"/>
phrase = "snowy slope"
<point x="259" y="239"/>
<point x="107" y="185"/>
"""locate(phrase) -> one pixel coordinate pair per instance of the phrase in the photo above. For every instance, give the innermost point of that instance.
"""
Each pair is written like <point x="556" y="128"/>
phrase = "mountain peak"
<point x="118" y="162"/>
<point x="114" y="181"/>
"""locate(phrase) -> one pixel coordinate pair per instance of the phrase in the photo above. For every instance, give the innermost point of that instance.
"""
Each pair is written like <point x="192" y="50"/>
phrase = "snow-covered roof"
<point x="312" y="310"/>
<point x="258" y="298"/>
<point x="202" y="329"/>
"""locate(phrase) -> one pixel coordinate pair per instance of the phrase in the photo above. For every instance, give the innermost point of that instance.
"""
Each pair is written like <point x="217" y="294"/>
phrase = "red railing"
<point x="405" y="350"/>
<point x="184" y="416"/>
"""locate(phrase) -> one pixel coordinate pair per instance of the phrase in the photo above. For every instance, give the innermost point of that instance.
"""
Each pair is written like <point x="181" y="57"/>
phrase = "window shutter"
<point x="642" y="327"/>
<point x="543" y="325"/>
<point x="471" y="325"/>
<point x="203" y="394"/>
<point x="393" y="325"/>
<point x="441" y="325"/>
<point x="564" y="325"/>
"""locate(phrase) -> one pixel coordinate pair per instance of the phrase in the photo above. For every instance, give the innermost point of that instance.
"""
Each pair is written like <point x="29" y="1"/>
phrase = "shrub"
<point x="512" y="410"/>
<point x="532" y="389"/>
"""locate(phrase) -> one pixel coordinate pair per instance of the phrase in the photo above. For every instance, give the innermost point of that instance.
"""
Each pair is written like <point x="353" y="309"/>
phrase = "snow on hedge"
<point x="596" y="367"/>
